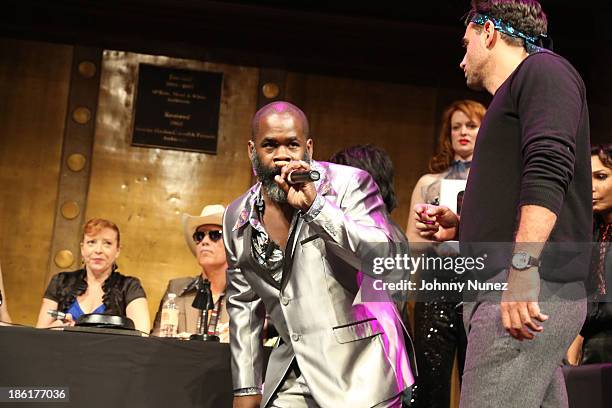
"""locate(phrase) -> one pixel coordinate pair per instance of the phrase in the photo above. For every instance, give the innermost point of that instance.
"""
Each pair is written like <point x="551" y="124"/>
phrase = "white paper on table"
<point x="449" y="190"/>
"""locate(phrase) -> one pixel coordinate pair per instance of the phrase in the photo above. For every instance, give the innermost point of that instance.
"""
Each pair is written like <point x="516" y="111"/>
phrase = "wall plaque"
<point x="177" y="109"/>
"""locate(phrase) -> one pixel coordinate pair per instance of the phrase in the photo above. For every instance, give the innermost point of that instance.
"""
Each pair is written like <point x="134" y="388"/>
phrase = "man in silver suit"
<point x="294" y="252"/>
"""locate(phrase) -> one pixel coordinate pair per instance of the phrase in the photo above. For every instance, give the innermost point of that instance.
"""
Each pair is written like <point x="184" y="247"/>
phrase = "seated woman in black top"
<point x="594" y="344"/>
<point x="98" y="288"/>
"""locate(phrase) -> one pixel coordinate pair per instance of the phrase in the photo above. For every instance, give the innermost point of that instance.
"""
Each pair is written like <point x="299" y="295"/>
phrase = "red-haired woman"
<point x="98" y="287"/>
<point x="438" y="327"/>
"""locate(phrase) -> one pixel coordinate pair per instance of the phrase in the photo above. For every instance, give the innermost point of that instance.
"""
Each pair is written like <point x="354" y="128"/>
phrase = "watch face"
<point x="520" y="260"/>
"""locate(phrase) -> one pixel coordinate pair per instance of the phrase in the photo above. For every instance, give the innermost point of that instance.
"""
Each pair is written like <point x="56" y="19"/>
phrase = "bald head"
<point x="279" y="108"/>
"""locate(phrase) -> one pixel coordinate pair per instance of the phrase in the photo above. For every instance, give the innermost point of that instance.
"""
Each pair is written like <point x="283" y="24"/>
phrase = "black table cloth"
<point x="106" y="370"/>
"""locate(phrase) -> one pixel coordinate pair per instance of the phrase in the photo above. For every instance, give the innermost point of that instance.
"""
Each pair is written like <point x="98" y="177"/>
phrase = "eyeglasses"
<point x="214" y="235"/>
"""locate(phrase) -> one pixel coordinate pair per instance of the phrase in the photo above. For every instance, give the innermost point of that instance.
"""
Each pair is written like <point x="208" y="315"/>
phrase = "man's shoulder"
<point x="339" y="173"/>
<point x="548" y="63"/>
<point x="177" y="285"/>
<point x="334" y="168"/>
<point x="544" y="58"/>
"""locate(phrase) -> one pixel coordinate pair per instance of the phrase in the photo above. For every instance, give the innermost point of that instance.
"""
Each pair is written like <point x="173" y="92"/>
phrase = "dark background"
<point x="414" y="42"/>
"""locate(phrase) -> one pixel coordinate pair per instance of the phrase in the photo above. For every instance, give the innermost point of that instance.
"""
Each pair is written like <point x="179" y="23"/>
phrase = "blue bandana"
<point x="532" y="43"/>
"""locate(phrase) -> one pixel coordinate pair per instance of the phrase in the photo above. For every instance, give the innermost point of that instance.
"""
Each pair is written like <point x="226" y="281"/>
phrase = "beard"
<point x="474" y="82"/>
<point x="266" y="176"/>
<point x="477" y="73"/>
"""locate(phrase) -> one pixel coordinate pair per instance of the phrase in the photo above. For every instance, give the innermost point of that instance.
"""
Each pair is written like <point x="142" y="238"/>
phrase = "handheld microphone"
<point x="297" y="177"/>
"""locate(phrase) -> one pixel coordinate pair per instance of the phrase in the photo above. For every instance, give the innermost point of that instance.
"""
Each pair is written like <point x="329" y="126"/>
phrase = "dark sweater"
<point x="533" y="149"/>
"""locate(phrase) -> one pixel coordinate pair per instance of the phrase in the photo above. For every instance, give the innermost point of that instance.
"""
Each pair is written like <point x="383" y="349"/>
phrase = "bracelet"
<point x="243" y="392"/>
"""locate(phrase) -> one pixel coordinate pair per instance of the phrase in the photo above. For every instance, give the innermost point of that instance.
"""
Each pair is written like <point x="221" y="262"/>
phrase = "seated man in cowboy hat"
<point x="204" y="237"/>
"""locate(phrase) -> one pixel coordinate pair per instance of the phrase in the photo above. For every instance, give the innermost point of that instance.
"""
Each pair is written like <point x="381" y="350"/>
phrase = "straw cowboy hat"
<point x="211" y="214"/>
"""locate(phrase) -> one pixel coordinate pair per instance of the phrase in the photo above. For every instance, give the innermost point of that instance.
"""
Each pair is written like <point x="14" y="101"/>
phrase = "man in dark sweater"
<point x="529" y="190"/>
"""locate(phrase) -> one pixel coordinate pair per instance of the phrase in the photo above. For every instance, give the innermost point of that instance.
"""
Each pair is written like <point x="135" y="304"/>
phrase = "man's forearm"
<point x="535" y="226"/>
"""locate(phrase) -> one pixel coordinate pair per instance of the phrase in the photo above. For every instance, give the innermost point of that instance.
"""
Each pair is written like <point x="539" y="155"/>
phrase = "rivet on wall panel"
<point x="70" y="210"/>
<point x="76" y="162"/>
<point x="87" y="69"/>
<point x="81" y="115"/>
<point x="64" y="259"/>
<point x="270" y="90"/>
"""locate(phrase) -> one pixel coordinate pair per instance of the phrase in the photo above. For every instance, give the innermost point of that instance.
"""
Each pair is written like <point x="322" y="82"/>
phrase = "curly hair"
<point x="375" y="161"/>
<point x="526" y="16"/>
<point x="445" y="153"/>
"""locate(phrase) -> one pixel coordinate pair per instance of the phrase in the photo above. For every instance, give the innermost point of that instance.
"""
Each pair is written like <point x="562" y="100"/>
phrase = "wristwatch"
<point x="522" y="260"/>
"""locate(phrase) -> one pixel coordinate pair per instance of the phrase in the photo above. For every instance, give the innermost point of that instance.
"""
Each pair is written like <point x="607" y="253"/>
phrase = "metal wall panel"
<point x="145" y="190"/>
<point x="345" y="112"/>
<point x="34" y="84"/>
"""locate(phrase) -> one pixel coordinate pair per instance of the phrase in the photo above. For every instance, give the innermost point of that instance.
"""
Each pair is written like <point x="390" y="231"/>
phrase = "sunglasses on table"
<point x="214" y="235"/>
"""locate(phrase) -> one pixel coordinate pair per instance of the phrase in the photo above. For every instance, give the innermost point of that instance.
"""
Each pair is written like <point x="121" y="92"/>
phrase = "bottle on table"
<point x="169" y="317"/>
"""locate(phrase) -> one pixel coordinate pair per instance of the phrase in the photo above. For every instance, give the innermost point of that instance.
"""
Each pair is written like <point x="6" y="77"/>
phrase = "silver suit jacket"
<point x="350" y="352"/>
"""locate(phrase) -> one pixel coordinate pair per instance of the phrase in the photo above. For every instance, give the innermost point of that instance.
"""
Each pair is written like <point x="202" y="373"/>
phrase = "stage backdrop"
<point x="145" y="189"/>
<point x="34" y="85"/>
